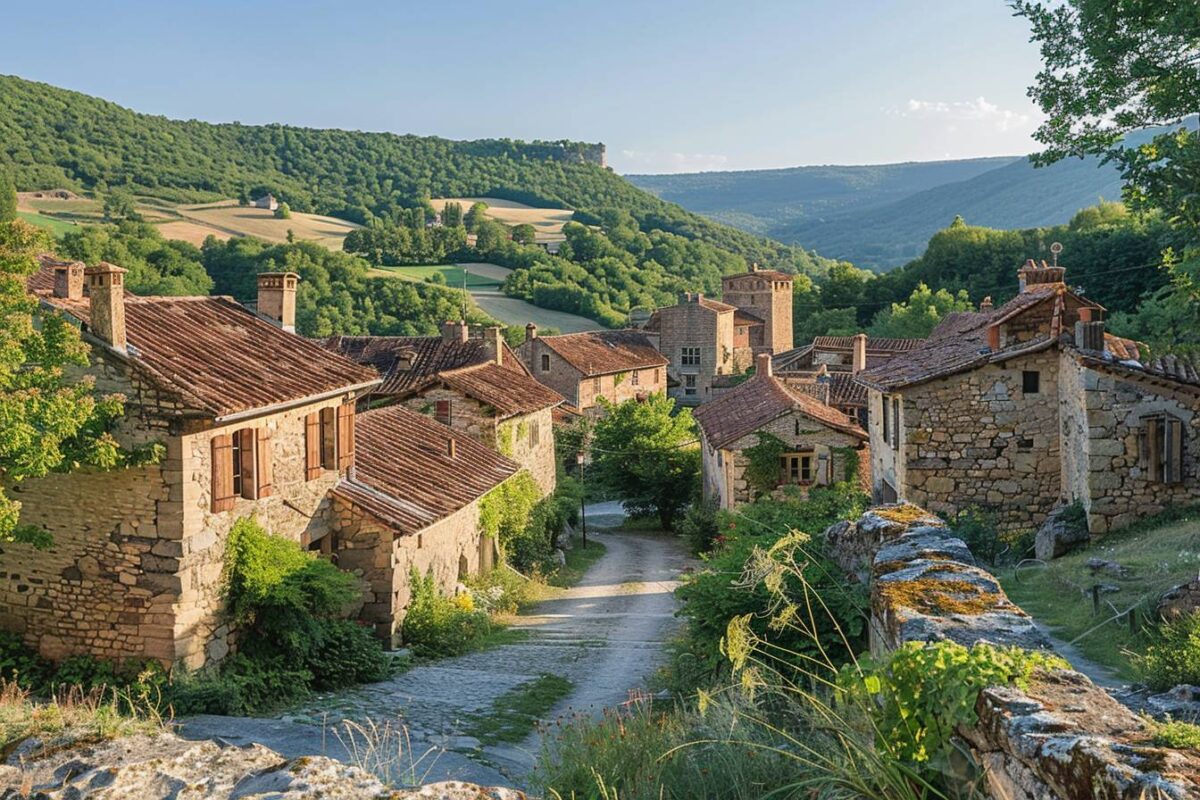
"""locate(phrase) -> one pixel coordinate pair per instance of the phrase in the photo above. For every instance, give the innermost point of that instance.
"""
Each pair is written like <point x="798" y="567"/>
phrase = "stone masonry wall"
<point x="977" y="440"/>
<point x="692" y="325"/>
<point x="1062" y="737"/>
<point x="1102" y="419"/>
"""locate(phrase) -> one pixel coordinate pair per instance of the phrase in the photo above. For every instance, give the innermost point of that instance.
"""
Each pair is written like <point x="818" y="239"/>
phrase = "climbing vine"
<point x="504" y="439"/>
<point x="763" y="470"/>
<point x="850" y="455"/>
<point x="619" y="378"/>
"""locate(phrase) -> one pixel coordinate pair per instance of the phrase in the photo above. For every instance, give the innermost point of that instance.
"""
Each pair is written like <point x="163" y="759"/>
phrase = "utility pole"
<point x="582" y="498"/>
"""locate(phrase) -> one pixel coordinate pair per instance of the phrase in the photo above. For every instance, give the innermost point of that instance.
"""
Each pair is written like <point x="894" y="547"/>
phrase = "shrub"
<point x="699" y="526"/>
<point x="501" y="591"/>
<point x="977" y="529"/>
<point x="19" y="663"/>
<point x="1173" y="654"/>
<point x="921" y="692"/>
<point x="345" y="653"/>
<point x="241" y="686"/>
<point x="1178" y="734"/>
<point x="435" y="626"/>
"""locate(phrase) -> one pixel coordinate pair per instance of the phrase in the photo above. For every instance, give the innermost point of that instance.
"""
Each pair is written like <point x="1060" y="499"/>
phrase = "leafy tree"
<point x="8" y="198"/>
<point x="47" y="423"/>
<point x="1111" y="69"/>
<point x="157" y="266"/>
<point x="917" y="317"/>
<point x="475" y="215"/>
<point x="646" y="453"/>
<point x="452" y="215"/>
<point x="825" y="322"/>
<point x="1106" y="213"/>
<point x="524" y="234"/>
<point x="118" y="205"/>
<point x="283" y="212"/>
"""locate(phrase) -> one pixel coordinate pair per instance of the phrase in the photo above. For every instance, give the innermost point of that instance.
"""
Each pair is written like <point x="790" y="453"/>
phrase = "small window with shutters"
<point x="545" y="362"/>
<point x="312" y="446"/>
<point x="441" y="411"/>
<point x="1161" y="444"/>
<point x="222" y="473"/>
<point x="329" y="451"/>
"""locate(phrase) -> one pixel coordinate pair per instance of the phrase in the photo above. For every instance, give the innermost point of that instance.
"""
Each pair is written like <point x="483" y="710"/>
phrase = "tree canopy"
<point x="920" y="314"/>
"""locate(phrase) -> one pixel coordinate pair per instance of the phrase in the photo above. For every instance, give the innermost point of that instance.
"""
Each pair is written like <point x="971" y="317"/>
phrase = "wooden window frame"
<point x="329" y="449"/>
<point x="887" y="428"/>
<point x="545" y="362"/>
<point x="796" y="464"/>
<point x="689" y="356"/>
<point x="535" y="433"/>
<point x="312" y="446"/>
<point x="1031" y="377"/>
<point x="223" y="498"/>
<point x="633" y="378"/>
<point x="1162" y="443"/>
<point x="345" y="436"/>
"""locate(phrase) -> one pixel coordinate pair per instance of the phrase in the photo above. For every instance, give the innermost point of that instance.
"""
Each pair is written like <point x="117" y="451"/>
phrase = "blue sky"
<point x="668" y="86"/>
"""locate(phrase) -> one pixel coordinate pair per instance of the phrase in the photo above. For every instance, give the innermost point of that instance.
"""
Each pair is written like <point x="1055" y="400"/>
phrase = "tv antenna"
<point x="1055" y="249"/>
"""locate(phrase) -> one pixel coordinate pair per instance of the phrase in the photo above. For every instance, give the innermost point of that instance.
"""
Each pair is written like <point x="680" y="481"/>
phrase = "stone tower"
<point x="767" y="295"/>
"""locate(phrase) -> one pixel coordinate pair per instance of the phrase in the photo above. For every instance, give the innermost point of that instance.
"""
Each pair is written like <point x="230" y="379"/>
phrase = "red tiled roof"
<point x="604" y="352"/>
<point x="748" y="407"/>
<point x="716" y="305"/>
<point x="508" y="391"/>
<point x="877" y="344"/>
<point x="959" y="342"/>
<point x="216" y="355"/>
<point x="403" y="473"/>
<point x="410" y="363"/>
<point x="1124" y="356"/>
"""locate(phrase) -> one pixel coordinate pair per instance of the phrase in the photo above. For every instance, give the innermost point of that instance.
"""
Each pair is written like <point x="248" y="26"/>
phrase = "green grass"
<point x="579" y="560"/>
<point x="453" y="275"/>
<point x="55" y="226"/>
<point x="515" y="713"/>
<point x="1161" y="553"/>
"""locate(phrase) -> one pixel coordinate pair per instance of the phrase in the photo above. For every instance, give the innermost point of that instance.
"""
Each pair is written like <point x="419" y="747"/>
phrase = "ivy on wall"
<point x="504" y="439"/>
<point x="763" y="470"/>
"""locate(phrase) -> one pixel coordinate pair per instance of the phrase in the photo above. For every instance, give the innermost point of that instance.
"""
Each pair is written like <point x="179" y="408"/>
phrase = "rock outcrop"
<point x="166" y="766"/>
<point x="1057" y="536"/>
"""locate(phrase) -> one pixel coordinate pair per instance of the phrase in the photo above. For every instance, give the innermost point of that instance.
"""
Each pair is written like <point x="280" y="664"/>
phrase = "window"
<point x="689" y="356"/>
<point x="887" y="428"/>
<point x="657" y="376"/>
<point x="535" y="434"/>
<point x="596" y="385"/>
<point x="689" y="384"/>
<point x="241" y="467"/>
<point x="1031" y="381"/>
<point x="896" y="423"/>
<point x="545" y="362"/>
<point x="796" y="422"/>
<point x="441" y="411"/>
<point x="1161" y="445"/>
<point x="796" y="468"/>
<point x="633" y="378"/>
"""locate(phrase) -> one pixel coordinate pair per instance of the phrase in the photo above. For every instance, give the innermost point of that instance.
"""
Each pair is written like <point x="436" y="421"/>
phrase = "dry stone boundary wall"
<point x="1064" y="737"/>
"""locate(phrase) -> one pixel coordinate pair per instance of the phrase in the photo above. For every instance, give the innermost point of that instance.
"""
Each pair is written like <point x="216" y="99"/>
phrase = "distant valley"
<point x="881" y="217"/>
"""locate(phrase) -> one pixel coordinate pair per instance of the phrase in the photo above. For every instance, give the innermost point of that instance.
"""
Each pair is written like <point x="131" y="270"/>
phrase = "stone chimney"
<point x="277" y="298"/>
<point x="699" y="297"/>
<point x="451" y="448"/>
<point x="685" y="297"/>
<point x="1089" y="336"/>
<point x="753" y="266"/>
<point x="1033" y="275"/>
<point x="455" y="332"/>
<point x="859" y="357"/>
<point x="762" y="365"/>
<point x="530" y="332"/>
<point x="106" y="288"/>
<point x="993" y="334"/>
<point x="493" y="343"/>
<point x="68" y="280"/>
<point x="986" y="305"/>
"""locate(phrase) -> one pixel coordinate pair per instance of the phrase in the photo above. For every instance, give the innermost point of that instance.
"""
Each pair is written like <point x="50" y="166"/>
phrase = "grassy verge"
<point x="515" y="713"/>
<point x="73" y="717"/>
<point x="1158" y="554"/>
<point x="55" y="226"/>
<point x="579" y="560"/>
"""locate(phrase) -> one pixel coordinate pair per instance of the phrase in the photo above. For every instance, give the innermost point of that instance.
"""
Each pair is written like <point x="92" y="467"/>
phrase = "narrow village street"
<point x="605" y="635"/>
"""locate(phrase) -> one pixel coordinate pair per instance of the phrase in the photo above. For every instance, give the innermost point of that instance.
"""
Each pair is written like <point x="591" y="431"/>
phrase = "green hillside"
<point x="881" y="217"/>
<point x="51" y="137"/>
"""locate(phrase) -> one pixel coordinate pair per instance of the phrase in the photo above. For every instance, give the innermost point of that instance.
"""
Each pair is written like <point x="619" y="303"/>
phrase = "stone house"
<point x="701" y="339"/>
<point x="476" y="385"/>
<point x="584" y="367"/>
<point x="827" y="366"/>
<point x="412" y="500"/>
<point x="254" y="420"/>
<point x="267" y="201"/>
<point x="764" y="295"/>
<point x="822" y="445"/>
<point x="1019" y="409"/>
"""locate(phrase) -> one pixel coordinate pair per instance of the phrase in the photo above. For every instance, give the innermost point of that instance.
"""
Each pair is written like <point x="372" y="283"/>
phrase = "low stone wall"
<point x="1063" y="737"/>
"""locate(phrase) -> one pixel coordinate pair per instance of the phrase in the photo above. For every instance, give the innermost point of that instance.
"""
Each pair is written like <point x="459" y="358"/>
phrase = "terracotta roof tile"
<point x="410" y="363"/>
<point x="403" y="473"/>
<point x="716" y="305"/>
<point x="959" y="342"/>
<point x="217" y="356"/>
<point x="508" y="391"/>
<point x="877" y="344"/>
<point x="751" y="405"/>
<point x="604" y="352"/>
<point x="744" y="317"/>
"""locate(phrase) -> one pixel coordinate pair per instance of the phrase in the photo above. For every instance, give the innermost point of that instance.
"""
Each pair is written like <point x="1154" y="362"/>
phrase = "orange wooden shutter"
<point x="222" y="473"/>
<point x="345" y="437"/>
<point x="312" y="446"/>
<point x="263" y="474"/>
<point x="1173" y="469"/>
<point x="249" y="462"/>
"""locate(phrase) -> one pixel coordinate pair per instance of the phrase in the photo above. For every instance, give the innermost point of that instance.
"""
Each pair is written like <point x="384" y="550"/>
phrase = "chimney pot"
<point x="68" y="280"/>
<point x="762" y="365"/>
<point x="530" y="332"/>
<point x="106" y="288"/>
<point x="986" y="305"/>
<point x="455" y="332"/>
<point x="699" y="296"/>
<point x="493" y="343"/>
<point x="859" y="357"/>
<point x="1089" y="336"/>
<point x="277" y="298"/>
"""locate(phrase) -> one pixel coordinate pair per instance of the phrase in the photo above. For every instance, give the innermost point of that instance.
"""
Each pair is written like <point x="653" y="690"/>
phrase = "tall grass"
<point x="74" y="715"/>
<point x="385" y="750"/>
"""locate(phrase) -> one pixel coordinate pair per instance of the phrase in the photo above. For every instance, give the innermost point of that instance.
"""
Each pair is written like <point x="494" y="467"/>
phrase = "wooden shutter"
<point x="312" y="446"/>
<point x="345" y="436"/>
<point x="248" y="462"/>
<point x="222" y="473"/>
<point x="263" y="473"/>
<point x="329" y="438"/>
<point x="1153" y="449"/>
<point x="1173" y="461"/>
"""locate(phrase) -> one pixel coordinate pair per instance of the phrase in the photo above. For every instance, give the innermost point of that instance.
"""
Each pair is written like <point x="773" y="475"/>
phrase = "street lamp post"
<point x="582" y="498"/>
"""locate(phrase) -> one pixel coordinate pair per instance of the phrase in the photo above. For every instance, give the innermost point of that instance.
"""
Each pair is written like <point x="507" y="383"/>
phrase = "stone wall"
<point x="450" y="548"/>
<point x="1062" y="737"/>
<point x="581" y="391"/>
<point x="766" y="298"/>
<point x="725" y="469"/>
<point x="975" y="439"/>
<point x="692" y="325"/>
<point x="1102" y="422"/>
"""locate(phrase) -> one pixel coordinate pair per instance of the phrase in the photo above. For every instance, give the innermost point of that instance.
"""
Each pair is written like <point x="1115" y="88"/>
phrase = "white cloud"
<point x="663" y="162"/>
<point x="977" y="110"/>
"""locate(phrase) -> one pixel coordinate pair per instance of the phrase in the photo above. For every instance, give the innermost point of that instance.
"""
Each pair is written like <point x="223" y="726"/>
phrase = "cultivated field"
<point x="235" y="220"/>
<point x="548" y="222"/>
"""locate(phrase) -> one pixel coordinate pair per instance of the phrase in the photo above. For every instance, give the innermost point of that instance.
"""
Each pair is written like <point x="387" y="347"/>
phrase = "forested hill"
<point x="51" y="137"/>
<point x="881" y="217"/>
